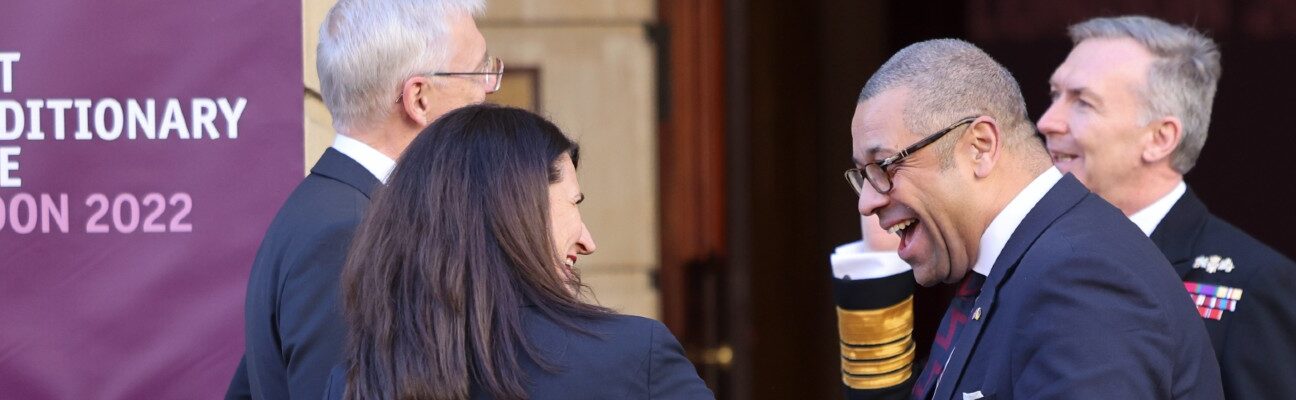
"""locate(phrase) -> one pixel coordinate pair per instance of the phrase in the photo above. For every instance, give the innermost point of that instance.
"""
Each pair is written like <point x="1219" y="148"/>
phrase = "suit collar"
<point x="1001" y="228"/>
<point x="1061" y="198"/>
<point x="1065" y="194"/>
<point x="1179" y="229"/>
<point x="337" y="166"/>
<point x="378" y="164"/>
<point x="1149" y="217"/>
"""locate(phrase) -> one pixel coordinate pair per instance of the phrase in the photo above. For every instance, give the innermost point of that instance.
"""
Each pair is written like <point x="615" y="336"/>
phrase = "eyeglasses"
<point x="876" y="173"/>
<point x="491" y="74"/>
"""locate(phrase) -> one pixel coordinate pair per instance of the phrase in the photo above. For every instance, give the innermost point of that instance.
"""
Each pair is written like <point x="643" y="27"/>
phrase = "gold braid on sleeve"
<point x="877" y="346"/>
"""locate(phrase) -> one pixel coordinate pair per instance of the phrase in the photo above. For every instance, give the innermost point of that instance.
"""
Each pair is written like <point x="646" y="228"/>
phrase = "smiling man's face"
<point x="1095" y="127"/>
<point x="925" y="205"/>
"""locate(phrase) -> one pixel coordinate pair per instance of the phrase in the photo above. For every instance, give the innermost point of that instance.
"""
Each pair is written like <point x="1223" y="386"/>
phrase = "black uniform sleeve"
<point x="875" y="328"/>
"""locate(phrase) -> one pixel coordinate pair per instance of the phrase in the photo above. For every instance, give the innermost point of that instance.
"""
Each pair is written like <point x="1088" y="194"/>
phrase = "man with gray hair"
<point x="1131" y="107"/>
<point x="1059" y="295"/>
<point x="388" y="69"/>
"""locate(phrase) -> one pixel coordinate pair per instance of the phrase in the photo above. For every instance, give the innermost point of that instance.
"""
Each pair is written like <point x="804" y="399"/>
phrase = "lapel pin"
<point x="976" y="314"/>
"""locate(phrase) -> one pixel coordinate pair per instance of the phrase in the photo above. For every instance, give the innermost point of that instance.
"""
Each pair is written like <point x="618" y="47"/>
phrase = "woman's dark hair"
<point x="451" y="249"/>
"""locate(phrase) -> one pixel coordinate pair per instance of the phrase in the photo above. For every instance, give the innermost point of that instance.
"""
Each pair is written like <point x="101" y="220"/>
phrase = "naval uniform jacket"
<point x="1080" y="304"/>
<point x="1244" y="294"/>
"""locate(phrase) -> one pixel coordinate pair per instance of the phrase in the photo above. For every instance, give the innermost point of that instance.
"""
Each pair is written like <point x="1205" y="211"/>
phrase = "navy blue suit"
<point x="631" y="358"/>
<point x="1253" y="336"/>
<point x="294" y="330"/>
<point x="1079" y="305"/>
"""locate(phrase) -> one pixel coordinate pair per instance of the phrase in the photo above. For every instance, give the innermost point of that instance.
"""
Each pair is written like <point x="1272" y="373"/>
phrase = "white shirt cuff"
<point x="855" y="261"/>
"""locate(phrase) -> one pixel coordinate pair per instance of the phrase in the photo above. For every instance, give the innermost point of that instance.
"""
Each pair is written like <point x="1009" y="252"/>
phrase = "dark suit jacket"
<point x="294" y="330"/>
<point x="1254" y="340"/>
<point x="632" y="358"/>
<point x="1079" y="305"/>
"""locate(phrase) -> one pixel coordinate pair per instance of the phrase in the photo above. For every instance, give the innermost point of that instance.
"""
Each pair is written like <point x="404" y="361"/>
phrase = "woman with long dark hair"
<point x="461" y="281"/>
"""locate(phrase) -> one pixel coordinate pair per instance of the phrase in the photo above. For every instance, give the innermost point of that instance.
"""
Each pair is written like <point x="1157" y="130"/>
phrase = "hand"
<point x="875" y="237"/>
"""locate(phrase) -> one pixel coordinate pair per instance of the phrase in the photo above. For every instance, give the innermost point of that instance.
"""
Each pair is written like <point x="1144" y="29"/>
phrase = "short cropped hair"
<point x="368" y="47"/>
<point x="1181" y="81"/>
<point x="949" y="79"/>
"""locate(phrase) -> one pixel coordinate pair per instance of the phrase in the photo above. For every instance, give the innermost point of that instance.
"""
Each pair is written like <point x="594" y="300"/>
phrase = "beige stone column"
<point x="593" y="67"/>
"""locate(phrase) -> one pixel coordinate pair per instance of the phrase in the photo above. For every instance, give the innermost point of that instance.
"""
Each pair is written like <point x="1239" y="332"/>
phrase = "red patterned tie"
<point x="955" y="318"/>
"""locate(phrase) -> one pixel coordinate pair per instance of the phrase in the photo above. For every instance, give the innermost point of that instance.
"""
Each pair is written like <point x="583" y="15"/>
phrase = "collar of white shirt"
<point x="996" y="235"/>
<point x="371" y="159"/>
<point x="1149" y="217"/>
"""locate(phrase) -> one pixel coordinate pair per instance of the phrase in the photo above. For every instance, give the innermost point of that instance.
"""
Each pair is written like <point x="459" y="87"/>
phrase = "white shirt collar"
<point x="996" y="235"/>
<point x="1149" y="217"/>
<point x="371" y="159"/>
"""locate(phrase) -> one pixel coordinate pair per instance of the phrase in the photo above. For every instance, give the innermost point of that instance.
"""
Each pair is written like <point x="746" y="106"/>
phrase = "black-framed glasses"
<point x="492" y="74"/>
<point x="876" y="172"/>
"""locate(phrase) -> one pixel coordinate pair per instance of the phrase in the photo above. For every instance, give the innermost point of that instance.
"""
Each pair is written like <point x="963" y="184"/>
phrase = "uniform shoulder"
<point x="1224" y="254"/>
<point x="1220" y="236"/>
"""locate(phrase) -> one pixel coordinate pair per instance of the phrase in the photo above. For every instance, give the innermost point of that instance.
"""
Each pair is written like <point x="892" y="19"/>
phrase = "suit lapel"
<point x="1178" y="231"/>
<point x="1062" y="197"/>
<point x="337" y="166"/>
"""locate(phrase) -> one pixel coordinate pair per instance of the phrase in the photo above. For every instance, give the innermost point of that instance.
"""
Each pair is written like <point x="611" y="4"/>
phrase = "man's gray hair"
<point x="949" y="79"/>
<point x="367" y="48"/>
<point x="1181" y="81"/>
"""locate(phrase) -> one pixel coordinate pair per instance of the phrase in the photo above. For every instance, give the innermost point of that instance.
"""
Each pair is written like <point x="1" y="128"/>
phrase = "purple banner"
<point x="144" y="148"/>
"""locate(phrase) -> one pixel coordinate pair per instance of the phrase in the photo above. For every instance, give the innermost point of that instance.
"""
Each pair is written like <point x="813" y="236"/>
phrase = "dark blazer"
<point x="1079" y="305"/>
<point x="632" y="358"/>
<point x="1253" y="337"/>
<point x="293" y="327"/>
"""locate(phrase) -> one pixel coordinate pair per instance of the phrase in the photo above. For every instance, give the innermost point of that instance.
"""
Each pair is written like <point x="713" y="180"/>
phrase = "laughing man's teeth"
<point x="894" y="229"/>
<point x="1060" y="157"/>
